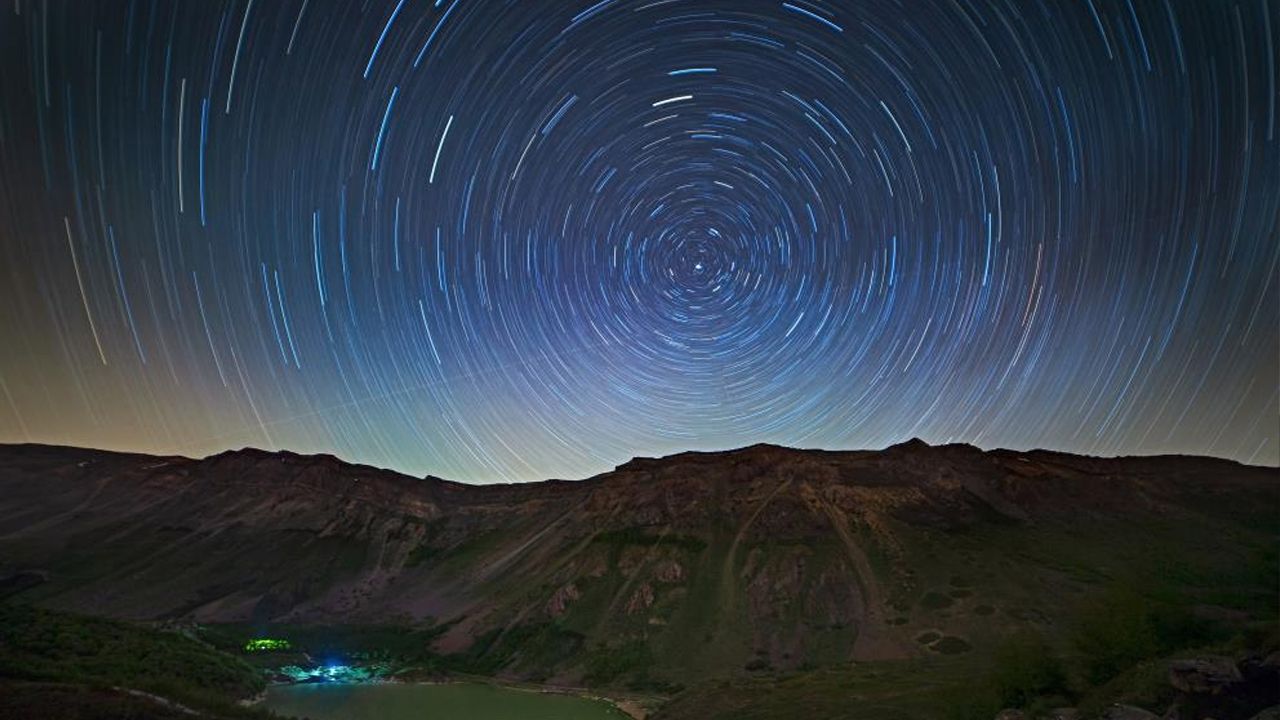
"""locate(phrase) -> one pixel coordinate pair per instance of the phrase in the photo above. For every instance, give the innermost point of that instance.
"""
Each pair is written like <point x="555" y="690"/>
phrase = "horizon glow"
<point x="496" y="242"/>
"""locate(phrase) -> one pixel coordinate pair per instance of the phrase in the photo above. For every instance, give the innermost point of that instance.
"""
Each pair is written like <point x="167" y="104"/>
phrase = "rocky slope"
<point x="664" y="569"/>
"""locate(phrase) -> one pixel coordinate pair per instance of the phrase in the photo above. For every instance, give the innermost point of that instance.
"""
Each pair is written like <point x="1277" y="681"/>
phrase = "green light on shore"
<point x="266" y="645"/>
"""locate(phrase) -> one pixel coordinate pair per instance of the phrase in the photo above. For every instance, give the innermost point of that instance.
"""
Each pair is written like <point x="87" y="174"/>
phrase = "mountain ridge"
<point x="762" y="556"/>
<point x="911" y="444"/>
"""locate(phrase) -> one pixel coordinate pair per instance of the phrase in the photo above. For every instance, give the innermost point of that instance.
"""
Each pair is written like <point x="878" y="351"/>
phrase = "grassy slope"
<point x="1051" y="581"/>
<point x="72" y="666"/>
<point x="66" y="701"/>
<point x="981" y="585"/>
<point x="976" y="586"/>
<point x="891" y="690"/>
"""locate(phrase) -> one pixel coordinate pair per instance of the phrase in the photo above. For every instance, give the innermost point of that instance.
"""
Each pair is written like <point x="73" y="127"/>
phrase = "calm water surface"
<point x="392" y="701"/>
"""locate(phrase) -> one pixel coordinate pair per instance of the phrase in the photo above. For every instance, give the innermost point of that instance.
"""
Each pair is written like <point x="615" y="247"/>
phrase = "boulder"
<point x="1253" y="667"/>
<point x="1064" y="713"/>
<point x="1127" y="712"/>
<point x="1271" y="713"/>
<point x="1207" y="675"/>
<point x="1011" y="714"/>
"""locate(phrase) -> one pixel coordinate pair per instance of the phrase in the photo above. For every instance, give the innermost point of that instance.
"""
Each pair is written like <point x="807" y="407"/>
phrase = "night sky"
<point x="509" y="240"/>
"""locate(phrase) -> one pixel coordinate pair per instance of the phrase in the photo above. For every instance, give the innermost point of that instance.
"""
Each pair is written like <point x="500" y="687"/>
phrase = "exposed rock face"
<point x="561" y="599"/>
<point x="641" y="600"/>
<point x="669" y="572"/>
<point x="765" y="553"/>
<point x="1209" y="675"/>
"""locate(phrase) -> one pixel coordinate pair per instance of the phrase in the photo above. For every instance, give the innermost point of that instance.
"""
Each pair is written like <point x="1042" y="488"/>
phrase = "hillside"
<point x="55" y="665"/>
<point x="659" y="574"/>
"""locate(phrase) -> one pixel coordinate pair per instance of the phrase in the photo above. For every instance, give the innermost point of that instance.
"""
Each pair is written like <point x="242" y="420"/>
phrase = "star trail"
<point x="496" y="240"/>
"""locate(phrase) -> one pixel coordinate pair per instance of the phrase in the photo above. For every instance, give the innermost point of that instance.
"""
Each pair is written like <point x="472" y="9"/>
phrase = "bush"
<point x="968" y="703"/>
<point x="1125" y="627"/>
<point x="935" y="601"/>
<point x="1025" y="674"/>
<point x="85" y="653"/>
<point x="534" y="646"/>
<point x="1113" y="634"/>
<point x="607" y="664"/>
<point x="951" y="645"/>
<point x="1027" y="669"/>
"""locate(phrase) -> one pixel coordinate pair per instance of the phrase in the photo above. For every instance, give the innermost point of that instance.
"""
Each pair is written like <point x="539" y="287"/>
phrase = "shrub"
<point x="951" y="645"/>
<point x="1124" y="627"/>
<point x="640" y="536"/>
<point x="1026" y="669"/>
<point x="1112" y="634"/>
<point x="607" y="664"/>
<point x="935" y="601"/>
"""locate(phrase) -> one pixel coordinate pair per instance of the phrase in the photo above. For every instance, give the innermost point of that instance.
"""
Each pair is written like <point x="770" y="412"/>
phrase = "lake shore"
<point x="633" y="706"/>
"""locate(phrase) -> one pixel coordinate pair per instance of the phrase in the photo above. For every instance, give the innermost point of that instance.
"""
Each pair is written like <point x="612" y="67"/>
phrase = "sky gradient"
<point x="495" y="240"/>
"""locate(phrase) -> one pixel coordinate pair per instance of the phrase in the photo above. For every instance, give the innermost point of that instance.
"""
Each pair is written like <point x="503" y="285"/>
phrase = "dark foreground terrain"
<point x="913" y="582"/>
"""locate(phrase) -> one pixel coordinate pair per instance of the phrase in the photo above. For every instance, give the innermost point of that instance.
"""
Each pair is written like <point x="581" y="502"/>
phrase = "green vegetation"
<point x="1027" y="669"/>
<point x="329" y="644"/>
<point x="422" y="554"/>
<point x="1057" y="617"/>
<point x="535" y="647"/>
<point x="606" y="664"/>
<point x="85" y="661"/>
<point x="359" y="653"/>
<point x="754" y="615"/>
<point x="266" y="645"/>
<point x="1117" y="650"/>
<point x="951" y="645"/>
<point x="1125" y="626"/>
<point x="885" y="690"/>
<point x="935" y="601"/>
<point x="21" y="699"/>
<point x="639" y="536"/>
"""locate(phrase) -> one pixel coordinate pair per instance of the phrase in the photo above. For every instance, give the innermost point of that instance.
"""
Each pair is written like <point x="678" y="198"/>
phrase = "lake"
<point x="396" y="701"/>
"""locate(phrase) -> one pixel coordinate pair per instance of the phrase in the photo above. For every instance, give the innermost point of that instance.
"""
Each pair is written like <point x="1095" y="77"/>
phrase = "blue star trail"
<point x="497" y="240"/>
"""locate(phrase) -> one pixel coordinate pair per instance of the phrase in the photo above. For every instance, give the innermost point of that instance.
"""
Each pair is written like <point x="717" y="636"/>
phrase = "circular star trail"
<point x="510" y="240"/>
